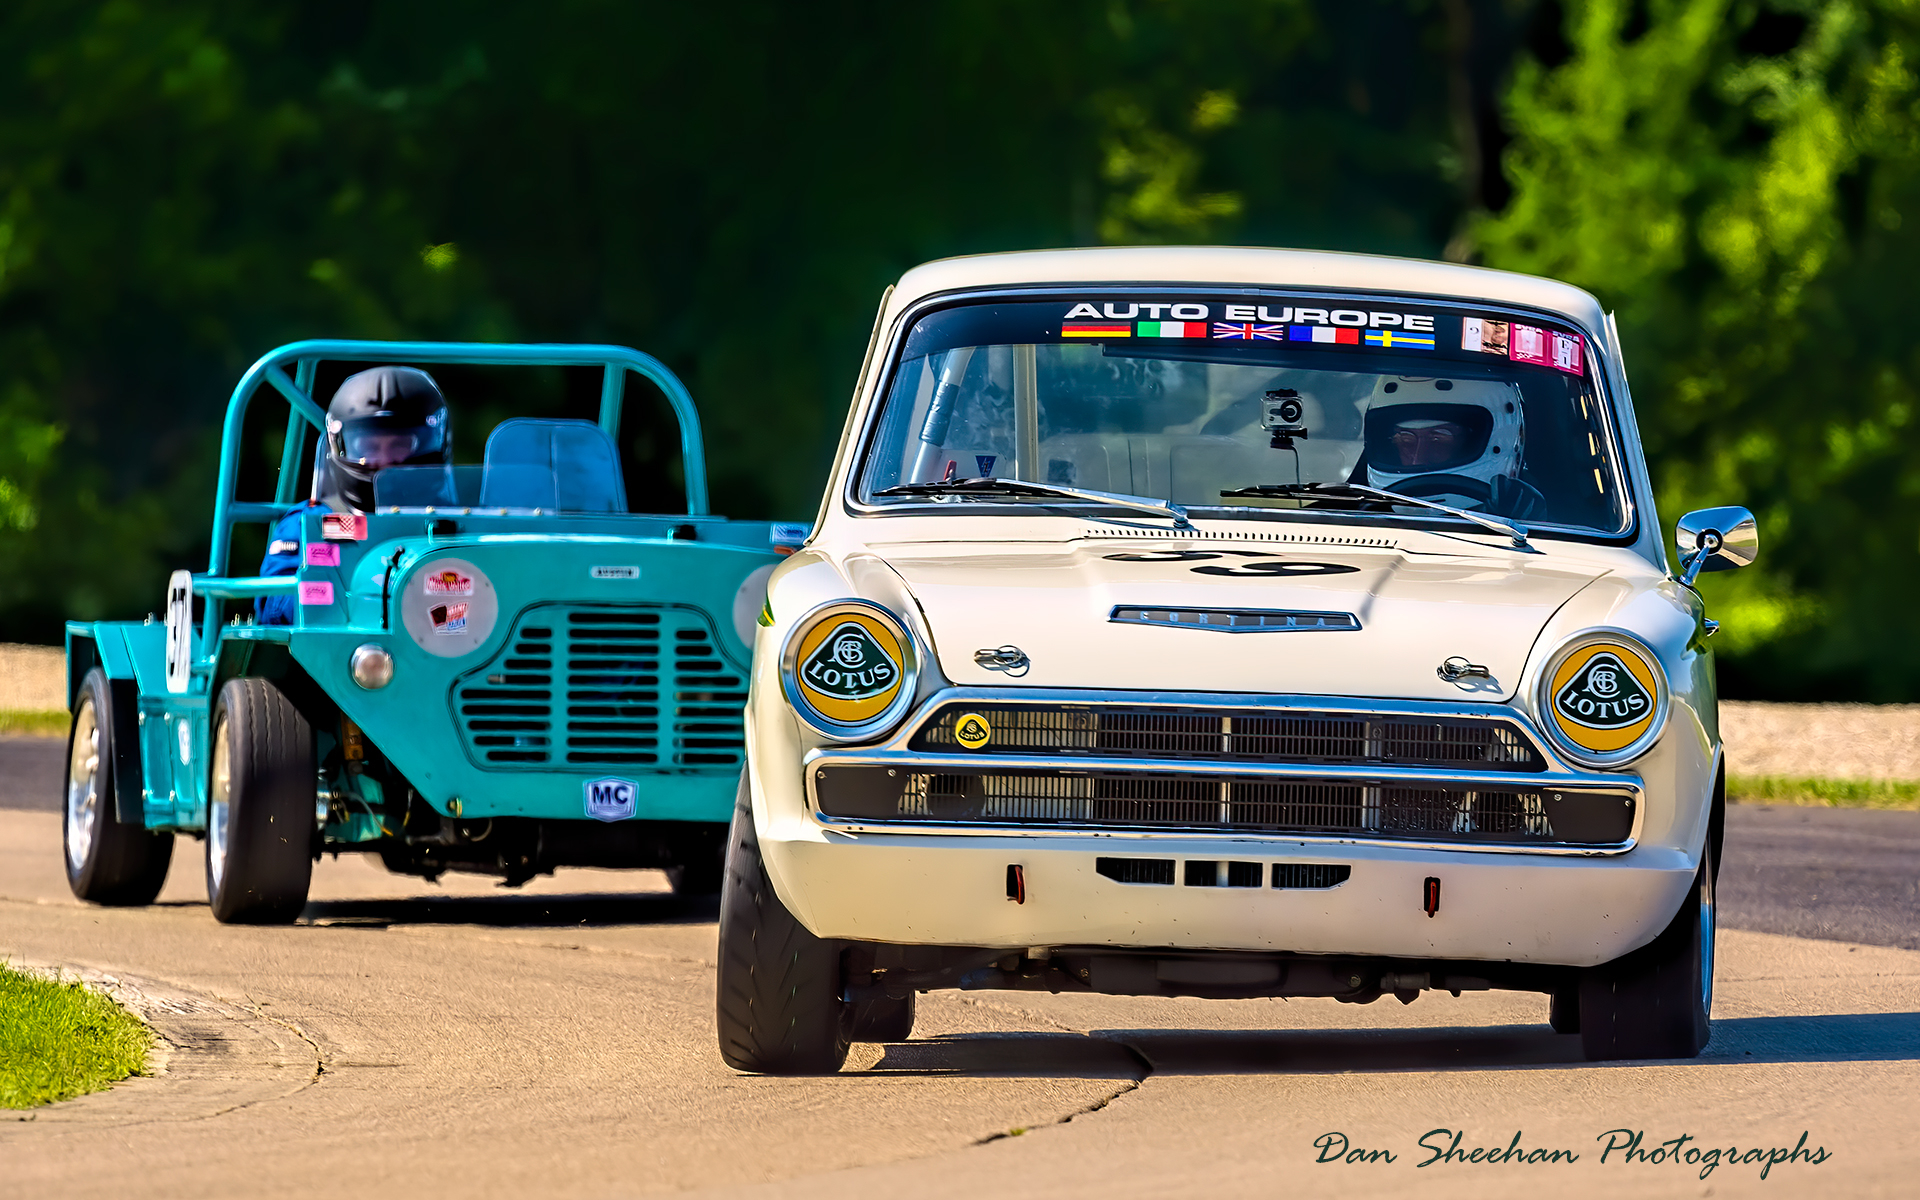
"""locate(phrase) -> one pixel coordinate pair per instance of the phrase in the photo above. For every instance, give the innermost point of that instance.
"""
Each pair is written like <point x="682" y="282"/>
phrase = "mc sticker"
<point x="1603" y="695"/>
<point x="972" y="731"/>
<point x="611" y="799"/>
<point x="849" y="664"/>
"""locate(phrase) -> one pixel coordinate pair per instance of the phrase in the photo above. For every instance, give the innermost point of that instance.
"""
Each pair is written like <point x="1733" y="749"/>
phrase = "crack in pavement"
<point x="1140" y="1058"/>
<point x="319" y="1055"/>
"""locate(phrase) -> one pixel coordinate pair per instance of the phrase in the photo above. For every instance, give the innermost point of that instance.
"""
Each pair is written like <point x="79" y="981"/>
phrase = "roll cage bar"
<point x="306" y="357"/>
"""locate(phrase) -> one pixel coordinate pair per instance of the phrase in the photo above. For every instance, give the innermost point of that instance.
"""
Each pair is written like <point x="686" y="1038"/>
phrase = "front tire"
<point x="107" y="862"/>
<point x="1657" y="1001"/>
<point x="779" y="987"/>
<point x="260" y="806"/>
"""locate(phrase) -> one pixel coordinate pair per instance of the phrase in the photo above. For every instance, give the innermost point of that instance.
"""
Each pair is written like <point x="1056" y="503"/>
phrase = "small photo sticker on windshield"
<point x="1529" y="345"/>
<point x="1484" y="336"/>
<point x="1565" y="351"/>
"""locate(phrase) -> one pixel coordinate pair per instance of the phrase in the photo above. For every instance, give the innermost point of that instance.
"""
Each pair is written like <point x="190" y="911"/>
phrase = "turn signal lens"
<point x="849" y="670"/>
<point x="1604" y="699"/>
<point x="371" y="666"/>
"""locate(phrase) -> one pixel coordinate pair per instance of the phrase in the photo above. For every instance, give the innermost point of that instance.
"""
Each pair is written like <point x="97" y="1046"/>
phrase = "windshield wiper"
<point x="1512" y="529"/>
<point x="1020" y="487"/>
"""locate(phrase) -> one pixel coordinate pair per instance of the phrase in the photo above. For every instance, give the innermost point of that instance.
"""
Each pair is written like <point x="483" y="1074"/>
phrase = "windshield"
<point x="1186" y="397"/>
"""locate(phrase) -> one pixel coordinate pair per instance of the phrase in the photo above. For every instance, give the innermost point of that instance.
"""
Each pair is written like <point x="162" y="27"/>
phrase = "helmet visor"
<point x="386" y="441"/>
<point x="1424" y="439"/>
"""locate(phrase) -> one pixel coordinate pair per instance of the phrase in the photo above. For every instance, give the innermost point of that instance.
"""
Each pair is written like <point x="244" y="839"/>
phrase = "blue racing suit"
<point x="283" y="558"/>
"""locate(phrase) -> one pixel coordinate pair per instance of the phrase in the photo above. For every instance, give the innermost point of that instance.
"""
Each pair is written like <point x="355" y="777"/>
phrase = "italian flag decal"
<point x="1166" y="329"/>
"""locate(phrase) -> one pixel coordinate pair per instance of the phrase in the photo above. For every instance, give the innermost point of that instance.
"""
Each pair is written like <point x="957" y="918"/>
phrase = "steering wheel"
<point x="1448" y="485"/>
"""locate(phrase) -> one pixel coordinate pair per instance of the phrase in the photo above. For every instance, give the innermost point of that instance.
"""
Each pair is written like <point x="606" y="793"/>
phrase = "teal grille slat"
<point x="583" y="687"/>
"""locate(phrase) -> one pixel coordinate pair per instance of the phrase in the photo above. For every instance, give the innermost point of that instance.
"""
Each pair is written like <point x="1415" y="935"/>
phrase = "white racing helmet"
<point x="1471" y="428"/>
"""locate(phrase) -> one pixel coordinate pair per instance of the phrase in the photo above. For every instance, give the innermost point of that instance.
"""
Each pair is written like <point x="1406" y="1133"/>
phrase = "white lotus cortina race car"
<point x="1222" y="622"/>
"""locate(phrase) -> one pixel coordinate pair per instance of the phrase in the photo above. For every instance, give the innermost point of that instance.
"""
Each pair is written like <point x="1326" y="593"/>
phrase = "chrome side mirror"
<point x="1715" y="539"/>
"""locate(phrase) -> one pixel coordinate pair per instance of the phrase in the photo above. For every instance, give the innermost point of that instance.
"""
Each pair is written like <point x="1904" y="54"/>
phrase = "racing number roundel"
<point x="1604" y="696"/>
<point x="849" y="667"/>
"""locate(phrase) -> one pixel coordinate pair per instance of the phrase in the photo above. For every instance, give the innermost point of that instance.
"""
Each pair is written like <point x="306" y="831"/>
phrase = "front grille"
<point x="590" y="687"/>
<point x="1244" y="735"/>
<point x="1232" y="803"/>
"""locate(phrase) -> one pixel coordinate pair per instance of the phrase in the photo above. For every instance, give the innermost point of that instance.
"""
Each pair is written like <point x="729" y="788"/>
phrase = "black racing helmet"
<point x="384" y="417"/>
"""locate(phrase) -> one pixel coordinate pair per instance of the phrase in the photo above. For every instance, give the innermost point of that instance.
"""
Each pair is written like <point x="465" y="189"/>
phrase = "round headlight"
<point x="849" y="670"/>
<point x="371" y="666"/>
<point x="1603" y="698"/>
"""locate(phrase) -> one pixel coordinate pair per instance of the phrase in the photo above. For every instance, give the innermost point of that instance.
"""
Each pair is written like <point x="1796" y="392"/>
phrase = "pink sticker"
<point x="323" y="554"/>
<point x="316" y="592"/>
<point x="344" y="527"/>
<point x="1566" y="353"/>
<point x="1528" y="345"/>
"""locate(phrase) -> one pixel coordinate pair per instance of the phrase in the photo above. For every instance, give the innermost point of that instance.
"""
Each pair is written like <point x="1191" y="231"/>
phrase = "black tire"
<point x="884" y="1020"/>
<point x="107" y="862"/>
<point x="779" y="987"/>
<point x="1657" y="1001"/>
<point x="1563" y="1010"/>
<point x="260" y="805"/>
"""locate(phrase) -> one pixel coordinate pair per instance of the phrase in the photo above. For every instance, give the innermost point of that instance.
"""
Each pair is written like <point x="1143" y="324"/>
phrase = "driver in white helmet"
<point x="1458" y="441"/>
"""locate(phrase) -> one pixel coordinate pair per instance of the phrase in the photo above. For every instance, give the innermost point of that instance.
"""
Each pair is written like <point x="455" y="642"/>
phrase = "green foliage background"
<point x="184" y="185"/>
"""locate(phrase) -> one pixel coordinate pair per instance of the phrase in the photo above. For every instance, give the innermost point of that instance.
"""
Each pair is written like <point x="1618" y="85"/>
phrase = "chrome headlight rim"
<point x="873" y="727"/>
<point x="1549" y="720"/>
<point x="370" y="666"/>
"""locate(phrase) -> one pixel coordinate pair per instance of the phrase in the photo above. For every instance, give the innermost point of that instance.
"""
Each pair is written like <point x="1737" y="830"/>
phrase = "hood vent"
<point x="1236" y="620"/>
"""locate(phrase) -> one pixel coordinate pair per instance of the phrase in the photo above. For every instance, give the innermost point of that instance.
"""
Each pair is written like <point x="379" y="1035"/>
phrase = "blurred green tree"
<point x="1733" y="176"/>
<point x="186" y="183"/>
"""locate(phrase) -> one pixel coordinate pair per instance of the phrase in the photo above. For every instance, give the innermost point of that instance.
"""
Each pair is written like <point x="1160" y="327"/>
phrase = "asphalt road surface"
<point x="413" y="1040"/>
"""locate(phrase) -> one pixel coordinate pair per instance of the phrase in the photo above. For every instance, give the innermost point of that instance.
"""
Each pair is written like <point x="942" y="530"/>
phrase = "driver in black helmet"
<point x="380" y="418"/>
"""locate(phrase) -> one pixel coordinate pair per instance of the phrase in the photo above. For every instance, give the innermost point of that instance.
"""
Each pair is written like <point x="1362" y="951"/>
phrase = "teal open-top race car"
<point x="489" y="667"/>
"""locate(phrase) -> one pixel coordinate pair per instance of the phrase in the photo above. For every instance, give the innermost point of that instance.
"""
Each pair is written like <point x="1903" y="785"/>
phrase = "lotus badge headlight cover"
<point x="1603" y="698"/>
<point x="849" y="670"/>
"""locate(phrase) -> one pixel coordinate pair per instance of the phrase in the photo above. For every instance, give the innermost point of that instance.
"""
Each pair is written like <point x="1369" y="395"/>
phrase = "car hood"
<point x="1056" y="604"/>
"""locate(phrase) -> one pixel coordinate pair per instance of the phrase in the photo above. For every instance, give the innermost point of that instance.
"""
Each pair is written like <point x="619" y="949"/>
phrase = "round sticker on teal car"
<point x="448" y="607"/>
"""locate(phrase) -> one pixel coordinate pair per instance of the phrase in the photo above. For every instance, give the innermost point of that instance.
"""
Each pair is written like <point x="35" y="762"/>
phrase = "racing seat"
<point x="560" y="466"/>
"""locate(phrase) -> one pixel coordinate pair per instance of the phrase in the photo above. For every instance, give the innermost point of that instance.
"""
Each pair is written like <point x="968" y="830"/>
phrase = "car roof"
<point x="1237" y="265"/>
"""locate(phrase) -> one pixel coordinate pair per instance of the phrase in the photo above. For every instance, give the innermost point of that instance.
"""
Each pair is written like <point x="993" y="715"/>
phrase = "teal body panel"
<point x="413" y="720"/>
<point x="172" y="728"/>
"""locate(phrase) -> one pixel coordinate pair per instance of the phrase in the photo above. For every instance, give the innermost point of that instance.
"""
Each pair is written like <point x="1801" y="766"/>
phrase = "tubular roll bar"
<point x="616" y="361"/>
<point x="306" y="356"/>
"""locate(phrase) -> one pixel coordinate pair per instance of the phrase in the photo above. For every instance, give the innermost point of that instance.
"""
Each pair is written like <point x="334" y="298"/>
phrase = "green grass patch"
<point x="59" y="1039"/>
<point x="1823" y="793"/>
<point x="33" y="722"/>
